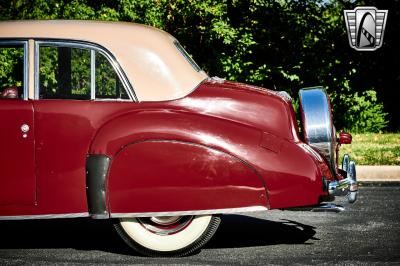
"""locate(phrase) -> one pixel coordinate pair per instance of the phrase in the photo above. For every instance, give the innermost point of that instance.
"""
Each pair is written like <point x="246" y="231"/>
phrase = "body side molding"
<point x="182" y="213"/>
<point x="45" y="216"/>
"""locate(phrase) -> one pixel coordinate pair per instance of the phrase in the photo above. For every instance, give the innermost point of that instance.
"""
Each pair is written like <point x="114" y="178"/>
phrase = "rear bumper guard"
<point x="348" y="186"/>
<point x="341" y="192"/>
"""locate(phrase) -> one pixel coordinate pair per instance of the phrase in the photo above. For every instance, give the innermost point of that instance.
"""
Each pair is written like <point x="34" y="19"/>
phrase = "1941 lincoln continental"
<point x="116" y="121"/>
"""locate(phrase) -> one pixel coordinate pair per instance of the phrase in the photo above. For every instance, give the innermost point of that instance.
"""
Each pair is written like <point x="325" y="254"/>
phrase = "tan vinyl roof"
<point x="152" y="63"/>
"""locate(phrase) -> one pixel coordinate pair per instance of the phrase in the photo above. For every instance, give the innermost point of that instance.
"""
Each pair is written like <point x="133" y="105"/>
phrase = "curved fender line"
<point x="200" y="145"/>
<point x="97" y="166"/>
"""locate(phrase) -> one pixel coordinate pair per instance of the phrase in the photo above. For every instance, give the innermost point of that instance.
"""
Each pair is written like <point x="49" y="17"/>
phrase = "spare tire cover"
<point x="317" y="125"/>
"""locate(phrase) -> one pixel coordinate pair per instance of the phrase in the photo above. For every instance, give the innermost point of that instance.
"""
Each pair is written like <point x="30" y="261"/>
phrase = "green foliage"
<point x="296" y="107"/>
<point x="364" y="113"/>
<point x="77" y="9"/>
<point x="80" y="71"/>
<point x="289" y="44"/>
<point x="146" y="12"/>
<point x="48" y="69"/>
<point x="107" y="81"/>
<point x="11" y="66"/>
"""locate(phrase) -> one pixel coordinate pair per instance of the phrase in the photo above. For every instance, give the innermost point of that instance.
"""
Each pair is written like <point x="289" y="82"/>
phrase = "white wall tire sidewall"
<point x="165" y="243"/>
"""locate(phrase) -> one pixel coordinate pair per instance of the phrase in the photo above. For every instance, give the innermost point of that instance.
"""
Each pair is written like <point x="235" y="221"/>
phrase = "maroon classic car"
<point x="116" y="121"/>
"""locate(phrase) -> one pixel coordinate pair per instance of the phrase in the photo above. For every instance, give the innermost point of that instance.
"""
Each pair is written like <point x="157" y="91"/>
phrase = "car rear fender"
<point x="165" y="161"/>
<point x="166" y="177"/>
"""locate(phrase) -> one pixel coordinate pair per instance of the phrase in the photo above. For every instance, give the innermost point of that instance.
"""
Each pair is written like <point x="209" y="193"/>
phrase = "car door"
<point x="77" y="91"/>
<point x="17" y="160"/>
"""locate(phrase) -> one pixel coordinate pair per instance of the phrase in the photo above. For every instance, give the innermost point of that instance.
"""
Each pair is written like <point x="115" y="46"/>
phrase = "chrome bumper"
<point x="342" y="191"/>
<point x="348" y="186"/>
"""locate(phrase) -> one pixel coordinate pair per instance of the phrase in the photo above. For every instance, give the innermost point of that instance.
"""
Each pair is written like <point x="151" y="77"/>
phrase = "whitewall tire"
<point x="167" y="236"/>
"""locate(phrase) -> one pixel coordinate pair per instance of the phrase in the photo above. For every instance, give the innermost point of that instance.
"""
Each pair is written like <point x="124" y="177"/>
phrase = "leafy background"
<point x="283" y="44"/>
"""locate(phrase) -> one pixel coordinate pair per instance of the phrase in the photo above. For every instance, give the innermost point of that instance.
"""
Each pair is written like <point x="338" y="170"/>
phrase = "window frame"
<point x="24" y="42"/>
<point x="93" y="48"/>
<point x="187" y="56"/>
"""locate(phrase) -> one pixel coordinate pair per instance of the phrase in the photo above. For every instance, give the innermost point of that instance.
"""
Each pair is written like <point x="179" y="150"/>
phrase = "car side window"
<point x="108" y="84"/>
<point x="64" y="73"/>
<point x="11" y="71"/>
<point x="77" y="73"/>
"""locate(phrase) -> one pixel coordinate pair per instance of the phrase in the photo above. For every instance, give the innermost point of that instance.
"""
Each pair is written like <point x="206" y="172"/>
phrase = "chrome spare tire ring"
<point x="317" y="124"/>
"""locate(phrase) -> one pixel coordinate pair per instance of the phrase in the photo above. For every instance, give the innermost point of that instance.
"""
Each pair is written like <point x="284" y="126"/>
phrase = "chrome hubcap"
<point x="165" y="220"/>
<point x="165" y="225"/>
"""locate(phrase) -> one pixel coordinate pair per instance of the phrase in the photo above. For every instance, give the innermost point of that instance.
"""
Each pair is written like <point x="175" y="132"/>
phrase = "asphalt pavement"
<point x="367" y="233"/>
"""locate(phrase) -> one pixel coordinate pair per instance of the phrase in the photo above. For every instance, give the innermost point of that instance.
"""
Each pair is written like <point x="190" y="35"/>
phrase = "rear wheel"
<point x="167" y="235"/>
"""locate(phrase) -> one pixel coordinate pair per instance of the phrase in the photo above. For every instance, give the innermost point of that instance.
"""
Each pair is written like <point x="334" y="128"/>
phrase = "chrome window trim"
<point x="112" y="100"/>
<point x="45" y="216"/>
<point x="182" y="213"/>
<point x="26" y="61"/>
<point x="83" y="45"/>
<point x="92" y="74"/>
<point x="36" y="67"/>
<point x="187" y="56"/>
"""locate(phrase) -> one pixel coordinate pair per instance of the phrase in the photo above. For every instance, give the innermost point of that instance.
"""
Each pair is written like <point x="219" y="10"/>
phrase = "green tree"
<point x="286" y="43"/>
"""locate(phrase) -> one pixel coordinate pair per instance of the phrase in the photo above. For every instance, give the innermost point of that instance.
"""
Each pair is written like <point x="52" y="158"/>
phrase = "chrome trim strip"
<point x="328" y="207"/>
<point x="45" y="216"/>
<point x="112" y="100"/>
<point x="84" y="45"/>
<point x="92" y="74"/>
<point x="185" y="54"/>
<point x="36" y="70"/>
<point x="26" y="70"/>
<point x="31" y="69"/>
<point x="181" y="213"/>
<point x="100" y="216"/>
<point x="26" y="61"/>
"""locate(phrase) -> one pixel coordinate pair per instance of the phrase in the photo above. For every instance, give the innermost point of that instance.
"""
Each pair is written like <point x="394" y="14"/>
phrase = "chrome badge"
<point x="365" y="27"/>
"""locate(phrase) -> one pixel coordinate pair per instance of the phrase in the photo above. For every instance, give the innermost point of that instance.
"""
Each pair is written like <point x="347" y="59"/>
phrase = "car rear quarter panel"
<point x="169" y="176"/>
<point x="290" y="176"/>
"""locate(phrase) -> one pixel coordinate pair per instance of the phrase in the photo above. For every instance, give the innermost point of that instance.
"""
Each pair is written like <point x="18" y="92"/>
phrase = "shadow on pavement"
<point x="245" y="231"/>
<point x="87" y="234"/>
<point x="80" y="234"/>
